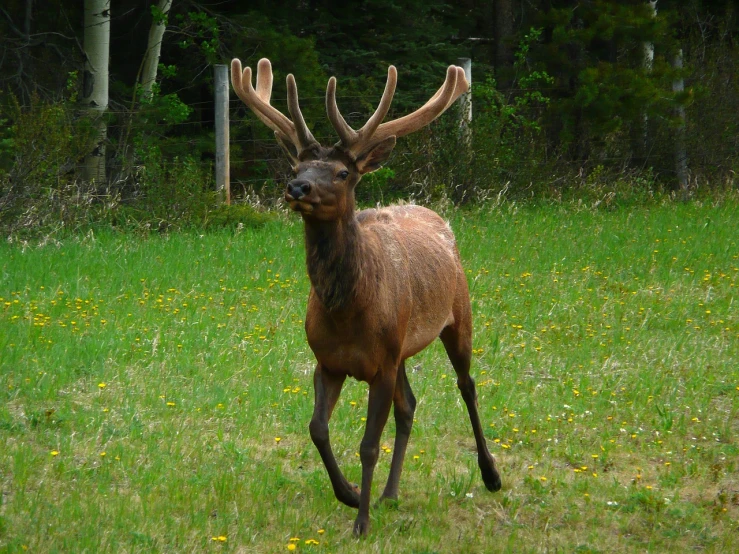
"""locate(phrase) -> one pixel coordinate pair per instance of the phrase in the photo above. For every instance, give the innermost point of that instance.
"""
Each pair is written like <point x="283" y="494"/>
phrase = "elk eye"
<point x="343" y="174"/>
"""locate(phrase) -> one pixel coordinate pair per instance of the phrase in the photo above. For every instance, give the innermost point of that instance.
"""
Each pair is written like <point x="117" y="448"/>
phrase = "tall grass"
<point x="155" y="393"/>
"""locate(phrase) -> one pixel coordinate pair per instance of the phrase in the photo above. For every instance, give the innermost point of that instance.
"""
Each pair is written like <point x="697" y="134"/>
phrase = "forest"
<point x="106" y="107"/>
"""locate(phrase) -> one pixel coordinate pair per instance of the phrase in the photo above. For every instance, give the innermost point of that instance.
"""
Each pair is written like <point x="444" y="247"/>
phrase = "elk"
<point x="384" y="282"/>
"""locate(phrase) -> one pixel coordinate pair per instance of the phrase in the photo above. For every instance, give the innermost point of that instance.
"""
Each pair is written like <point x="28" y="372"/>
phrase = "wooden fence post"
<point x="465" y="102"/>
<point x="223" y="170"/>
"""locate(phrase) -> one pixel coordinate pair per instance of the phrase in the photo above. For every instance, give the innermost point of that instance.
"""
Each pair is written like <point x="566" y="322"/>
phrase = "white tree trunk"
<point x="154" y="47"/>
<point x="681" y="157"/>
<point x="648" y="61"/>
<point x="95" y="82"/>
<point x="648" y="47"/>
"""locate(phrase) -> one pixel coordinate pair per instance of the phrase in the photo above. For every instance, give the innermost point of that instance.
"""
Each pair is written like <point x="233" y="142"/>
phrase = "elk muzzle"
<point x="296" y="189"/>
<point x="296" y="194"/>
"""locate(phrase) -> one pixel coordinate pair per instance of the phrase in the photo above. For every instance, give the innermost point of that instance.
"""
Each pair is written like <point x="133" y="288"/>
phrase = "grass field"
<point x="155" y="393"/>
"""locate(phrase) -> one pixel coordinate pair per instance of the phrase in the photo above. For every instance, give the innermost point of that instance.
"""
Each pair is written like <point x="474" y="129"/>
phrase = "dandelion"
<point x="171" y="404"/>
<point x="291" y="546"/>
<point x="278" y="439"/>
<point x="101" y="386"/>
<point x="219" y="538"/>
<point x="54" y="452"/>
<point x="321" y="531"/>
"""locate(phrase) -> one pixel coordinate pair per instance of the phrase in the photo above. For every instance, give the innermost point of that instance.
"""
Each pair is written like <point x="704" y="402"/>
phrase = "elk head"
<point x="325" y="177"/>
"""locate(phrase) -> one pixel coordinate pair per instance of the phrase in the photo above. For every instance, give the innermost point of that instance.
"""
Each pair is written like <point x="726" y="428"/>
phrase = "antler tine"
<point x="454" y="85"/>
<point x="241" y="81"/>
<point x="373" y="122"/>
<point x="354" y="140"/>
<point x="305" y="137"/>
<point x="258" y="101"/>
<point x="374" y="130"/>
<point x="264" y="80"/>
<point x="462" y="86"/>
<point x="347" y="135"/>
<point x="238" y="76"/>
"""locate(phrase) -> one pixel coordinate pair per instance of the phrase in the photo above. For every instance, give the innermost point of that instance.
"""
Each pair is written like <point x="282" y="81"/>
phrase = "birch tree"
<point x="648" y="63"/>
<point x="146" y="77"/>
<point x="95" y="82"/>
<point x="681" y="156"/>
<point x="150" y="62"/>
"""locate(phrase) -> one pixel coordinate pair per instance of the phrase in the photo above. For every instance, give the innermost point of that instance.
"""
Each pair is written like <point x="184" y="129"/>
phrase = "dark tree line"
<point x="559" y="85"/>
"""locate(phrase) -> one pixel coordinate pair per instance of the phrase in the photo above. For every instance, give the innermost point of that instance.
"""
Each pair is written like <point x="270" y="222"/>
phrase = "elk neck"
<point x="339" y="265"/>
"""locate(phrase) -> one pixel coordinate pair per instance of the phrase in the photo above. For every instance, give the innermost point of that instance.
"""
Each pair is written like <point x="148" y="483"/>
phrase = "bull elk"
<point x="384" y="282"/>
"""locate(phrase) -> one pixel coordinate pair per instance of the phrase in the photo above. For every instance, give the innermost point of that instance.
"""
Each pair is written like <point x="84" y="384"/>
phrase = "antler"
<point x="295" y="131"/>
<point x="373" y="132"/>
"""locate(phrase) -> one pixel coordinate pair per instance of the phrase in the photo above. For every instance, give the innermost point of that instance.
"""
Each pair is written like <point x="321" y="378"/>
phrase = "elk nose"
<point x="298" y="188"/>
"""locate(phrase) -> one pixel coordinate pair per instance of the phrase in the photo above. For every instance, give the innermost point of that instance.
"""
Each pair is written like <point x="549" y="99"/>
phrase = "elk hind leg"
<point x="457" y="340"/>
<point x="404" y="406"/>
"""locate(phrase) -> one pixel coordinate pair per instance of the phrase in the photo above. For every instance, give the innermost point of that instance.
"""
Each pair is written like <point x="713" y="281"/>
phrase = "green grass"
<point x="145" y="382"/>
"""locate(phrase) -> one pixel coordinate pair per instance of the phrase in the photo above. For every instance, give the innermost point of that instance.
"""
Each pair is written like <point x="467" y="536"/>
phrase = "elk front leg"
<point x="378" y="408"/>
<point x="327" y="390"/>
<point x="404" y="406"/>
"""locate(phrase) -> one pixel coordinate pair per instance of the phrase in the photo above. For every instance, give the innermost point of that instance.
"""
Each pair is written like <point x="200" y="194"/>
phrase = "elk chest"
<point x="351" y="342"/>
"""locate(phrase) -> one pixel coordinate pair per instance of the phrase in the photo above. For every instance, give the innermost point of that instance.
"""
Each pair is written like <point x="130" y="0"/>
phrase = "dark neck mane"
<point x="337" y="264"/>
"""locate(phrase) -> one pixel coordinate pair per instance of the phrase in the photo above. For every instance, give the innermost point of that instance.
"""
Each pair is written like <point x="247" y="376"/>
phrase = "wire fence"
<point x="257" y="158"/>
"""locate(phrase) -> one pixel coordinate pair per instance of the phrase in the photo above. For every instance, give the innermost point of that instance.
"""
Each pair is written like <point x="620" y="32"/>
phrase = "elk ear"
<point x="288" y="147"/>
<point x="372" y="159"/>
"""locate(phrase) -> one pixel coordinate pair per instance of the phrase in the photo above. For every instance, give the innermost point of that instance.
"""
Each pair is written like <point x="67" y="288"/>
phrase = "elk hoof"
<point x="492" y="481"/>
<point x="361" y="527"/>
<point x="490" y="475"/>
<point x="391" y="501"/>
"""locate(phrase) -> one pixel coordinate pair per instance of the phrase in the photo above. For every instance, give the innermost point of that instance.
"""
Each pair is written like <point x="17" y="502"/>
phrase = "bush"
<point x="179" y="194"/>
<point x="41" y="150"/>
